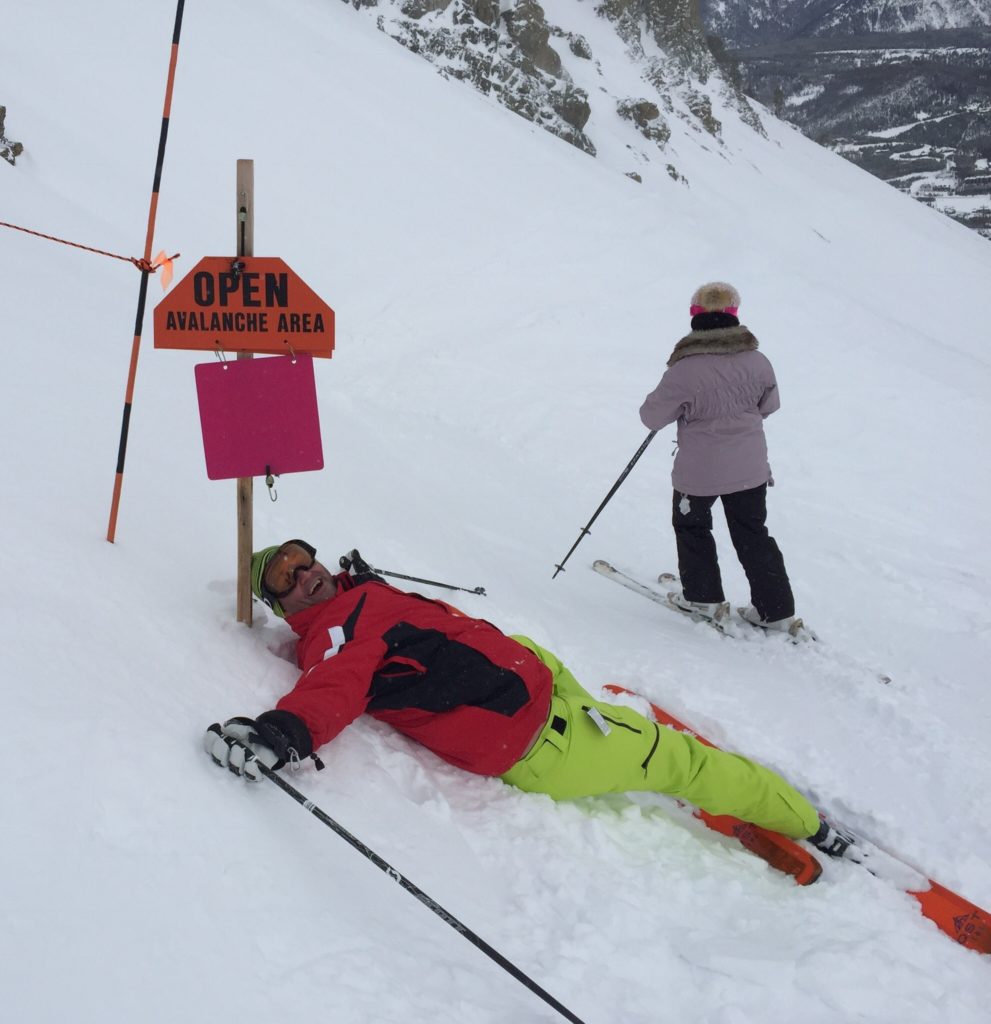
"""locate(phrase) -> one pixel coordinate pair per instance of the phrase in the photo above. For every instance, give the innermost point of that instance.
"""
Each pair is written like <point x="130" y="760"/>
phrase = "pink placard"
<point x="259" y="415"/>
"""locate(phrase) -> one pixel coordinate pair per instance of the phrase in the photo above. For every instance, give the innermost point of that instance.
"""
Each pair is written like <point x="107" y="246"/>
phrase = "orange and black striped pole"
<point x="143" y="288"/>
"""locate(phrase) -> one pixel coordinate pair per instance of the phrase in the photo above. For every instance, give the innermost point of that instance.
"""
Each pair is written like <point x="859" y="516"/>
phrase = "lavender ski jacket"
<point x="719" y="388"/>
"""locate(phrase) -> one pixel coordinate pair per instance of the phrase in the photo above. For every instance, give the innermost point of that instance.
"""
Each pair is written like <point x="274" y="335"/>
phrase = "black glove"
<point x="241" y="744"/>
<point x="360" y="570"/>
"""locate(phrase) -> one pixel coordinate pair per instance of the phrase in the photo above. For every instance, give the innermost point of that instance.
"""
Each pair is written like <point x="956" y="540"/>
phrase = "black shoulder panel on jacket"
<point x="445" y="675"/>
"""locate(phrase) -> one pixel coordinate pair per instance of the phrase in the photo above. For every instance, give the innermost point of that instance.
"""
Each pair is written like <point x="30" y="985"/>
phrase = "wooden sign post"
<point x="251" y="304"/>
<point x="245" y="485"/>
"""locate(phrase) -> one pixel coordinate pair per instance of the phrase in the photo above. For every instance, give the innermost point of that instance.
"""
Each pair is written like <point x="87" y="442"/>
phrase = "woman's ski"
<point x="725" y="624"/>
<point x="722" y="623"/>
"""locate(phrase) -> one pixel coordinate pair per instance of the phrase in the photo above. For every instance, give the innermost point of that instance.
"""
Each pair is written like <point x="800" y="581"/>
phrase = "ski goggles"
<point x="279" y="577"/>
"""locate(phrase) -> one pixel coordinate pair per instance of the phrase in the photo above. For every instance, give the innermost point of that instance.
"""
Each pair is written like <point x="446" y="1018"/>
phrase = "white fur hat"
<point x="715" y="297"/>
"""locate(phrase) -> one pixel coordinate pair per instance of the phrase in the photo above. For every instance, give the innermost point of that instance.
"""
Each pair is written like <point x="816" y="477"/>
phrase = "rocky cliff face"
<point x="504" y="53"/>
<point x="685" y="61"/>
<point x="511" y="50"/>
<point x="902" y="89"/>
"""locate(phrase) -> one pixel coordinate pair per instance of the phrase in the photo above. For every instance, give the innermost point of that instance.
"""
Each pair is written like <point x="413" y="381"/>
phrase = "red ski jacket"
<point x="458" y="685"/>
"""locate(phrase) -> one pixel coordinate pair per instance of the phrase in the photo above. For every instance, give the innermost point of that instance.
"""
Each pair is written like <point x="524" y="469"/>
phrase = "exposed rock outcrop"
<point x="507" y="54"/>
<point x="647" y="117"/>
<point x="9" y="150"/>
<point x="675" y="26"/>
<point x="508" y="49"/>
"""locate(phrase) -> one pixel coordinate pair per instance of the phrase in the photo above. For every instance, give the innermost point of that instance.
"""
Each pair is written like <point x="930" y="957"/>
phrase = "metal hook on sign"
<point x="292" y="352"/>
<point x="270" y="484"/>
<point x="242" y="223"/>
<point x="220" y="354"/>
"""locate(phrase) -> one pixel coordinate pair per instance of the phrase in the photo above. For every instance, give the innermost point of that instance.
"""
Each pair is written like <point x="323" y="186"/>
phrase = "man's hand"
<point x="239" y="745"/>
<point x="272" y="739"/>
<point x="358" y="568"/>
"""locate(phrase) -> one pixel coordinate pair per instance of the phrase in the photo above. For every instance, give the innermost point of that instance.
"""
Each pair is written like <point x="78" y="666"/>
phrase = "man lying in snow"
<point x="483" y="701"/>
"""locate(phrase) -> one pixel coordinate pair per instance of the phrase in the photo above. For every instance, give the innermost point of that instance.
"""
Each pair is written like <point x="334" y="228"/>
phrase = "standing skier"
<point x="720" y="388"/>
<point x="486" y="702"/>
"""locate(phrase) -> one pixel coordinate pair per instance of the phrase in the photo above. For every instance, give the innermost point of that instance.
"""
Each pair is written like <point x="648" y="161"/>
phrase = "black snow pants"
<point x="698" y="565"/>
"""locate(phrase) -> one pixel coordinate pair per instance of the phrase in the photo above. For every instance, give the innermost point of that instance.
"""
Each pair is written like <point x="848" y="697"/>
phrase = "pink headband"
<point x="695" y="310"/>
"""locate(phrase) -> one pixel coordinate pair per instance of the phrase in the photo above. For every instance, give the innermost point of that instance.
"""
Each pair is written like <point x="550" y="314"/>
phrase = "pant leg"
<point x="698" y="564"/>
<point x="573" y="758"/>
<point x="770" y="590"/>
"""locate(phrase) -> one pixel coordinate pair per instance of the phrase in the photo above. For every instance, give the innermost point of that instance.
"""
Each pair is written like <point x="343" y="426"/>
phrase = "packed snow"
<point x="504" y="303"/>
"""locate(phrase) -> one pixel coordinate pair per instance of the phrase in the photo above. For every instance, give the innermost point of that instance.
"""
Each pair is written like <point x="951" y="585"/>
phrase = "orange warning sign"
<point x="247" y="304"/>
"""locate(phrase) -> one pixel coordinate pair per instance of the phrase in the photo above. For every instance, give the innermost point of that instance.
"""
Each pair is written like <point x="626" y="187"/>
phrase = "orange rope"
<point x="142" y="264"/>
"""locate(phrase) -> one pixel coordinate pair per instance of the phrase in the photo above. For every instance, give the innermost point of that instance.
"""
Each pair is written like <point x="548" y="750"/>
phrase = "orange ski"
<point x="962" y="920"/>
<point x="965" y="922"/>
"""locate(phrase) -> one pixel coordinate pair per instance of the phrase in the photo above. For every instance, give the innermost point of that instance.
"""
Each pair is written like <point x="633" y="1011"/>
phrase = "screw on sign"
<point x="251" y="304"/>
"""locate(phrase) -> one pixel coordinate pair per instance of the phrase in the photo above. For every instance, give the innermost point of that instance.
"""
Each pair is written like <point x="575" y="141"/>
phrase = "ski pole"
<point x="354" y="558"/>
<point x="433" y="583"/>
<point x="605" y="500"/>
<point x="414" y="890"/>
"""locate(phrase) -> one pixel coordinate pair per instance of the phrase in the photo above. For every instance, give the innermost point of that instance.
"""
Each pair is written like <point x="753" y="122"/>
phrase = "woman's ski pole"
<point x="605" y="500"/>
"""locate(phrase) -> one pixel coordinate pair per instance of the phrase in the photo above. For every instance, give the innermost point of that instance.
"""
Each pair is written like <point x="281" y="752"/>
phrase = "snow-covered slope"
<point x="504" y="303"/>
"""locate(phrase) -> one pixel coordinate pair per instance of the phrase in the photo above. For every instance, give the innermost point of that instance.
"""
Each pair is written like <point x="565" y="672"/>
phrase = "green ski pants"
<point x="574" y="756"/>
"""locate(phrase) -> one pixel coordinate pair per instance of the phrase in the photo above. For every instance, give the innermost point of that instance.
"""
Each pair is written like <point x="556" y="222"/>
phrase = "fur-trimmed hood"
<point x="720" y="341"/>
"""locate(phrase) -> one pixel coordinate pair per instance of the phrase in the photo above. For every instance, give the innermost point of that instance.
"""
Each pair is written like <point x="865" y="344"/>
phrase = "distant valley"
<point x="911" y="107"/>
